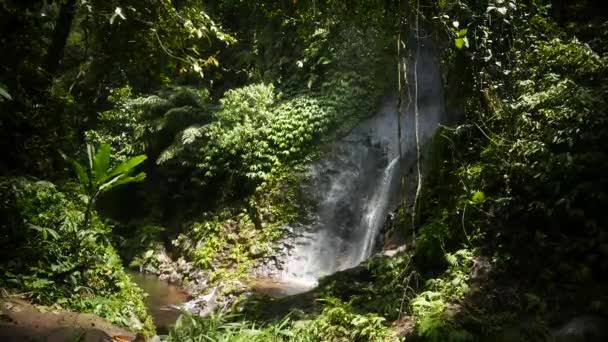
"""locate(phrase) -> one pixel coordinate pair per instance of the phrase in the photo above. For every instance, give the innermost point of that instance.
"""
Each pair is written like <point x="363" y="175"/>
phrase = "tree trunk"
<point x="60" y="35"/>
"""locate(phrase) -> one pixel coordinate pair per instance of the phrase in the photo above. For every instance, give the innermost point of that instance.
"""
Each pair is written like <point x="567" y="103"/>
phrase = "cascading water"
<point x="356" y="184"/>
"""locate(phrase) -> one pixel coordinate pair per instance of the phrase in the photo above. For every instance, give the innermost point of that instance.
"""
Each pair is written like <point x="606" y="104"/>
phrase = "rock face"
<point x="585" y="328"/>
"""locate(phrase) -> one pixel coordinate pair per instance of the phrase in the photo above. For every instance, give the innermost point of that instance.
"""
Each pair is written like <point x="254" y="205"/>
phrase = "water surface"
<point x="162" y="296"/>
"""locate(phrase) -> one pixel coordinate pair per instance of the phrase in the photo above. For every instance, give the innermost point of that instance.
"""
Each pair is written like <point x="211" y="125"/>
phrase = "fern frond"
<point x="186" y="137"/>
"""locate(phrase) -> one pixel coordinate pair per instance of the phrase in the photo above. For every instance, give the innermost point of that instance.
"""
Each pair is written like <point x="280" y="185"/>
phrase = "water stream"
<point x="162" y="300"/>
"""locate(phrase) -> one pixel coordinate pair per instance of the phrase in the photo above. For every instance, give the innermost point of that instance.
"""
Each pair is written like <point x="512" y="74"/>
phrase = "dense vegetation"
<point x="131" y="128"/>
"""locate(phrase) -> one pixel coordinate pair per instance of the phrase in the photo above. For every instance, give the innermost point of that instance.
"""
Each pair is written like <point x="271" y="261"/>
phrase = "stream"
<point x="161" y="300"/>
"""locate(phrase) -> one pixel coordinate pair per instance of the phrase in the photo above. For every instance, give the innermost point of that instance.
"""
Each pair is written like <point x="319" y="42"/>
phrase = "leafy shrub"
<point x="338" y="322"/>
<point x="47" y="252"/>
<point x="430" y="306"/>
<point x="224" y="328"/>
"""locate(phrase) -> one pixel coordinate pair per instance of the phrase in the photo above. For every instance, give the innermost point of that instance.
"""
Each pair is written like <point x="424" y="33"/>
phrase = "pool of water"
<point x="161" y="297"/>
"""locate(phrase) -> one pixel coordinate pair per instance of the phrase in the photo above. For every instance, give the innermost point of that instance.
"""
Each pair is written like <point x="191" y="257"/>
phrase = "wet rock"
<point x="256" y="251"/>
<point x="175" y="278"/>
<point x="150" y="269"/>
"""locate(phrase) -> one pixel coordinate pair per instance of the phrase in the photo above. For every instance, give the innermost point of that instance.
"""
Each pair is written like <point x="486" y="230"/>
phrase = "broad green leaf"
<point x="478" y="197"/>
<point x="101" y="163"/>
<point x="90" y="153"/>
<point x="126" y="166"/>
<point x="45" y="231"/>
<point x="324" y="61"/>
<point x="110" y="184"/>
<point x="122" y="179"/>
<point x="459" y="42"/>
<point x="4" y="93"/>
<point x="80" y="173"/>
<point x="463" y="32"/>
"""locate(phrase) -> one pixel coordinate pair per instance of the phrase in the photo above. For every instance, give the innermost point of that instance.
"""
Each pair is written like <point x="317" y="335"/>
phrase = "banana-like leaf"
<point x="126" y="166"/>
<point x="131" y="179"/>
<point x="80" y="173"/>
<point x="90" y="153"/>
<point x="4" y="93"/>
<point x="101" y="164"/>
<point x="121" y="179"/>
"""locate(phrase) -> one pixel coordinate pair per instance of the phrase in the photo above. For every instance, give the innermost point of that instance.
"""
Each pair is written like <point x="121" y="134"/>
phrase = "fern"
<point x="186" y="137"/>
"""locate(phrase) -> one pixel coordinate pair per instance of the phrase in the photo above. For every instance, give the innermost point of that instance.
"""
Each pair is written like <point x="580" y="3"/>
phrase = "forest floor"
<point x="22" y="321"/>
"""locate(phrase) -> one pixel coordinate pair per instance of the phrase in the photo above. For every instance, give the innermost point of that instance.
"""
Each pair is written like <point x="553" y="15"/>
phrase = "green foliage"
<point x="431" y="306"/>
<point x="100" y="176"/>
<point x="169" y="128"/>
<point x="110" y="44"/>
<point x="222" y="328"/>
<point x="229" y="243"/>
<point x="336" y="323"/>
<point x="49" y="253"/>
<point x="381" y="285"/>
<point x="4" y="95"/>
<point x="160" y="125"/>
<point x="515" y="178"/>
<point x="158" y="39"/>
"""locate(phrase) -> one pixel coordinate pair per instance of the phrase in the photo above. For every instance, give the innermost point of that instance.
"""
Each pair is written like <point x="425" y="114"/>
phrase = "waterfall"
<point x="356" y="183"/>
<point x="378" y="207"/>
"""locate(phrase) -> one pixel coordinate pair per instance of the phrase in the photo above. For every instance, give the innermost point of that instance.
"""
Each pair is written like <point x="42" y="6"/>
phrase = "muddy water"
<point x="162" y="296"/>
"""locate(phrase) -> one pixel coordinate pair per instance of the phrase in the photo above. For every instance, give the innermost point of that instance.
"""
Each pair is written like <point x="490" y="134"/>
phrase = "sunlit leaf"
<point x="4" y="93"/>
